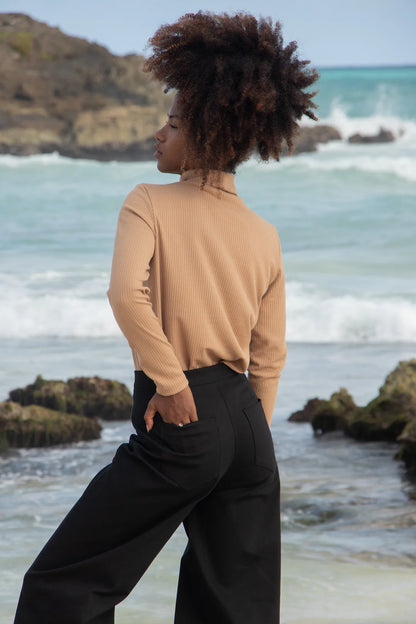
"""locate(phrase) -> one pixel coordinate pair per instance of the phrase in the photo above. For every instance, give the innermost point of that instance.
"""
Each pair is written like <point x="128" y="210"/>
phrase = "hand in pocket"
<point x="178" y="409"/>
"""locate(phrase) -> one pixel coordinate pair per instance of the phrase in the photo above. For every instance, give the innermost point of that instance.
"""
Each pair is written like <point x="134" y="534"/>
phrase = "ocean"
<point x="346" y="217"/>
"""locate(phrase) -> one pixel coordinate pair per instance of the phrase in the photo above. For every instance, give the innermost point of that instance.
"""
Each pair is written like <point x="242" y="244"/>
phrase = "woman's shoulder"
<point x="261" y="225"/>
<point x="151" y="187"/>
<point x="144" y="193"/>
<point x="150" y="192"/>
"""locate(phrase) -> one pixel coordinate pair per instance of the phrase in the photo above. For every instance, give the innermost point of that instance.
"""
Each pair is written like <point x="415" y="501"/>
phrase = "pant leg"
<point x="230" y="571"/>
<point x="125" y="516"/>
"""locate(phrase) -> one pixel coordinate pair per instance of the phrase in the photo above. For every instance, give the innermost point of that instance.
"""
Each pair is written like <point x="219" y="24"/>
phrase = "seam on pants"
<point x="220" y="392"/>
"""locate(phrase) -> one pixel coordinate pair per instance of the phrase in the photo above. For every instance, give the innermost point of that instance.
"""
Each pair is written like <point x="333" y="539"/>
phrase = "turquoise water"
<point x="368" y="92"/>
<point x="346" y="216"/>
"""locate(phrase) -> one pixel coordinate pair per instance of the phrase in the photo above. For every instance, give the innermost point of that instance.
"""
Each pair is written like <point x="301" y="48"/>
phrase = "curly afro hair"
<point x="240" y="89"/>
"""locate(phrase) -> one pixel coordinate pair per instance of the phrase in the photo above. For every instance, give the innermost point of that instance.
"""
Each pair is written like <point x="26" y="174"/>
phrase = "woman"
<point x="197" y="288"/>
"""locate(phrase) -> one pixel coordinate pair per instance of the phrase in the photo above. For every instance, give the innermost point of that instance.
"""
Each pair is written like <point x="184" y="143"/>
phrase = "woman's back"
<point x="212" y="261"/>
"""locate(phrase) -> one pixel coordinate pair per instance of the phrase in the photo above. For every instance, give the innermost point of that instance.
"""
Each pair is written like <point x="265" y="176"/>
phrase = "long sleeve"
<point x="129" y="294"/>
<point x="268" y="345"/>
<point x="197" y="279"/>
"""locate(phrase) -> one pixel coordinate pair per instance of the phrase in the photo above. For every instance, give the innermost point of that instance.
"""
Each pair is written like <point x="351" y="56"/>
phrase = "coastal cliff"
<point x="65" y="94"/>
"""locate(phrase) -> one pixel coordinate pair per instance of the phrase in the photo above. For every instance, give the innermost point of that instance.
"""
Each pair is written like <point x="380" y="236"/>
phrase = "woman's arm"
<point x="129" y="294"/>
<point x="268" y="345"/>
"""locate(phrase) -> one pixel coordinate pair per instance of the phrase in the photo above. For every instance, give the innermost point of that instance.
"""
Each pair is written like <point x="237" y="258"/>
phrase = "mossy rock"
<point x="332" y="415"/>
<point x="391" y="416"/>
<point x="401" y="381"/>
<point x="51" y="394"/>
<point x="102" y="398"/>
<point x="407" y="450"/>
<point x="35" y="426"/>
<point x="307" y="412"/>
<point x="88" y="396"/>
<point x="384" y="418"/>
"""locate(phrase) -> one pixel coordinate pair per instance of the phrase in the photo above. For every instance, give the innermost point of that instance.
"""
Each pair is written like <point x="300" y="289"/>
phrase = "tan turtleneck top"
<point x="197" y="279"/>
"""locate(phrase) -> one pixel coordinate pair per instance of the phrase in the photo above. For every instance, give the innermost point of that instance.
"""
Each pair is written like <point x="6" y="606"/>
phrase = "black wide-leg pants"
<point x="217" y="475"/>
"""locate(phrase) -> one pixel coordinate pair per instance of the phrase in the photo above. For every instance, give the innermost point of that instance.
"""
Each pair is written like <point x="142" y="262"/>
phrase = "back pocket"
<point x="189" y="455"/>
<point x="262" y="438"/>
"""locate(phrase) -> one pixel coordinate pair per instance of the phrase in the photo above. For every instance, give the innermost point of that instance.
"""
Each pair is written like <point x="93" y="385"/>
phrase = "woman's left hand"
<point x="178" y="409"/>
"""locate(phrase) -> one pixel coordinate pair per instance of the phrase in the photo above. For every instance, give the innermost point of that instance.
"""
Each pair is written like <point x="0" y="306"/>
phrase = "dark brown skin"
<point x="178" y="408"/>
<point x="171" y="142"/>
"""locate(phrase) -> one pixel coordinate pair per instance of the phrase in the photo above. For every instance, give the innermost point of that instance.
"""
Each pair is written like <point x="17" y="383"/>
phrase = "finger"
<point x="149" y="416"/>
<point x="194" y="417"/>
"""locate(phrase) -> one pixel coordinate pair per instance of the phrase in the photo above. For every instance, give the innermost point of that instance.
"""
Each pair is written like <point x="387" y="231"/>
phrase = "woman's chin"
<point x="164" y="169"/>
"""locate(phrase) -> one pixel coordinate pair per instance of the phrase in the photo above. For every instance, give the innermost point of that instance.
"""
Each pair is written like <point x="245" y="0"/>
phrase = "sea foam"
<point x="369" y="125"/>
<point x="365" y="160"/>
<point x="312" y="316"/>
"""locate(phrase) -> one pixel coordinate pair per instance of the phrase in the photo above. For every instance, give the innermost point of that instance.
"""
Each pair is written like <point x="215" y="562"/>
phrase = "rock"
<point x="307" y="412"/>
<point x="400" y="384"/>
<point x="407" y="441"/>
<point x="384" y="418"/>
<point x="401" y="381"/>
<point x="87" y="396"/>
<point x="383" y="136"/>
<point x="332" y="415"/>
<point x="309" y="137"/>
<point x="326" y="415"/>
<point x="34" y="426"/>
<point x="391" y="416"/>
<point x="66" y="94"/>
<point x="126" y="124"/>
<point x="109" y="151"/>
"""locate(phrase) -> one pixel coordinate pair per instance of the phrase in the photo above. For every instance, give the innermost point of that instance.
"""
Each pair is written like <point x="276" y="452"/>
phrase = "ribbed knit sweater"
<point x="197" y="279"/>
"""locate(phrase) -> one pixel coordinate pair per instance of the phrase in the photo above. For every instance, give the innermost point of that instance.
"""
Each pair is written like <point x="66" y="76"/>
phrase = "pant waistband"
<point x="209" y="374"/>
<point x="199" y="376"/>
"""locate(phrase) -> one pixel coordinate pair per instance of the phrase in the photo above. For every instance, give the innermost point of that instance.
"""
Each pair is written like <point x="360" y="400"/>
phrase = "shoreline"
<point x="308" y="140"/>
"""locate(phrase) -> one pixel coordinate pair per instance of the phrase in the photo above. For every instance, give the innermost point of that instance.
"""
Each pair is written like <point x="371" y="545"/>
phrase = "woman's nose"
<point x="159" y="135"/>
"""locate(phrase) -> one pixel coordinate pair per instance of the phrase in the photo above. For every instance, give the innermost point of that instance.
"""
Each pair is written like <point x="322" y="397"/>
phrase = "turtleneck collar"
<point x="218" y="179"/>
